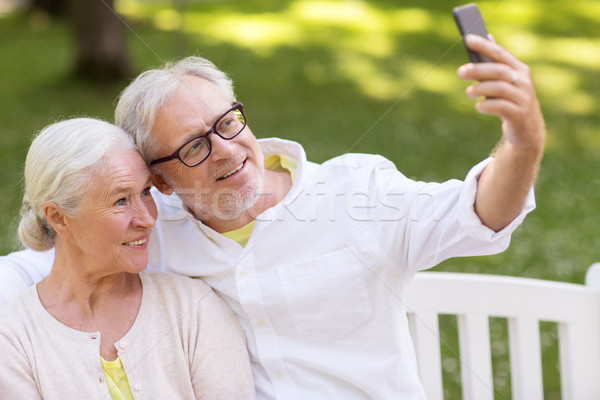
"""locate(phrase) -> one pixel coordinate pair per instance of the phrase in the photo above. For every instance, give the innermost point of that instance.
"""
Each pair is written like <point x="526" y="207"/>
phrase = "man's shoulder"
<point x="359" y="160"/>
<point x="350" y="171"/>
<point x="21" y="269"/>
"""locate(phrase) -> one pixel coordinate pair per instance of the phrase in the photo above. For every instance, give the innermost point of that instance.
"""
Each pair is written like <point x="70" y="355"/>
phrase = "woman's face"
<point x="112" y="229"/>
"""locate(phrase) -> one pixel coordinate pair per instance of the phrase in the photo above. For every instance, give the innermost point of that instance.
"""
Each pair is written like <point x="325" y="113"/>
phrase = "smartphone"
<point x="469" y="20"/>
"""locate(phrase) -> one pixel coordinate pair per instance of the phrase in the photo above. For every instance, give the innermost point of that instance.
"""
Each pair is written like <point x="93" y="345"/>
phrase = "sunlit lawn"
<point x="357" y="76"/>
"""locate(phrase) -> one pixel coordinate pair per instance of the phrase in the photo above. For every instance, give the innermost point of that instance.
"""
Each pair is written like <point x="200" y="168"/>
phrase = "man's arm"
<point x="22" y="269"/>
<point x="508" y="93"/>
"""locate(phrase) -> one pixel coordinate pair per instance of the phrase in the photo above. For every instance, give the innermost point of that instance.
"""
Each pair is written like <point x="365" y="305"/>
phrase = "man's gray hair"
<point x="60" y="166"/>
<point x="140" y="102"/>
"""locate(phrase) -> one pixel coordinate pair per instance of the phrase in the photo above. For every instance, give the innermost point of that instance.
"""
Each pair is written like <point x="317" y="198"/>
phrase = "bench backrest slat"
<point x="524" y="303"/>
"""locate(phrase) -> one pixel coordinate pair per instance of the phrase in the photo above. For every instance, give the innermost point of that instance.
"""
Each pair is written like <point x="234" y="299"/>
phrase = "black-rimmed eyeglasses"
<point x="197" y="149"/>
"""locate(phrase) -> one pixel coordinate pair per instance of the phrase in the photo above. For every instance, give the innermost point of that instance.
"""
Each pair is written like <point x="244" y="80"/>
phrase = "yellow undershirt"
<point x="281" y="162"/>
<point x="273" y="162"/>
<point x="116" y="379"/>
<point x="118" y="385"/>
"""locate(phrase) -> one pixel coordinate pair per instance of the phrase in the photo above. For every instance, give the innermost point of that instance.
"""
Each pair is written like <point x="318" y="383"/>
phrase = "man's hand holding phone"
<point x="505" y="84"/>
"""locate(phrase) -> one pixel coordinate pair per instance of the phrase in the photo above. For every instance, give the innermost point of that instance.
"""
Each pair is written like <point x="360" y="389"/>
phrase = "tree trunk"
<point x="54" y="8"/>
<point x="101" y="54"/>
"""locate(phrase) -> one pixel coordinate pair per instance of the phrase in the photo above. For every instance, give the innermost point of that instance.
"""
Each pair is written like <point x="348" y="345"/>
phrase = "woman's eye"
<point x="146" y="192"/>
<point x="121" y="202"/>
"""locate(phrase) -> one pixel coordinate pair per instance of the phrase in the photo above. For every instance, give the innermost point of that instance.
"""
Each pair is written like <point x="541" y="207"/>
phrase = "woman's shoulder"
<point x="176" y="295"/>
<point x="171" y="285"/>
<point x="19" y="312"/>
<point x="164" y="276"/>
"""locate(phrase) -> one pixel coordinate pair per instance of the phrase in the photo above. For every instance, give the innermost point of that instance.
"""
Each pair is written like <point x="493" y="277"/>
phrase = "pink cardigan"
<point x="185" y="344"/>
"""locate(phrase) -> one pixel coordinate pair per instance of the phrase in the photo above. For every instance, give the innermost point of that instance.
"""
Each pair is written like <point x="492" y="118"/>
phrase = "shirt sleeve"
<point x="422" y="224"/>
<point x="22" y="269"/>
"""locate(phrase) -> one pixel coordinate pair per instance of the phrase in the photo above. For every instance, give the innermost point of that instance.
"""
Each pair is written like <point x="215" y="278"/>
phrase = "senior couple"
<point x="293" y="303"/>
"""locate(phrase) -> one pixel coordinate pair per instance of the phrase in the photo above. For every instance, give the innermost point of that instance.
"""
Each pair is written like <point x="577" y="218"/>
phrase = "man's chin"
<point x="226" y="204"/>
<point x="230" y="208"/>
<point x="223" y="206"/>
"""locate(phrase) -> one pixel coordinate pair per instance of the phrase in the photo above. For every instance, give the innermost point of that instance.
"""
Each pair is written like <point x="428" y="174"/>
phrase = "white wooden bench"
<point x="524" y="303"/>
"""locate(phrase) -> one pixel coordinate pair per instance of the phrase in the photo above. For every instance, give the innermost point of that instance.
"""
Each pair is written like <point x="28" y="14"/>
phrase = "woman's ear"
<point x="56" y="218"/>
<point x="160" y="183"/>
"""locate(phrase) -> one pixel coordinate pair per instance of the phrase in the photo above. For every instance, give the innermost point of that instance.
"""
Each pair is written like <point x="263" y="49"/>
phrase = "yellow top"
<point x="273" y="162"/>
<point x="281" y="162"/>
<point x="118" y="385"/>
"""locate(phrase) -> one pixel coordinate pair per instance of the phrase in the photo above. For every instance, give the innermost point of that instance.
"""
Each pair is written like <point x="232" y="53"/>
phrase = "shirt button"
<point x="243" y="274"/>
<point x="278" y="375"/>
<point x="209" y="235"/>
<point x="122" y="344"/>
<point x="260" y="323"/>
<point x="138" y="387"/>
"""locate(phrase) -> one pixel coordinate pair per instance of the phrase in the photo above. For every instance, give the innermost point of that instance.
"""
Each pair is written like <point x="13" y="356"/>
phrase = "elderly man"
<point x="314" y="259"/>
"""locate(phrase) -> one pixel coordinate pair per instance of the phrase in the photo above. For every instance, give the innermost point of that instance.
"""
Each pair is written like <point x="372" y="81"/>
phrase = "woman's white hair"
<point x="59" y="167"/>
<point x="139" y="103"/>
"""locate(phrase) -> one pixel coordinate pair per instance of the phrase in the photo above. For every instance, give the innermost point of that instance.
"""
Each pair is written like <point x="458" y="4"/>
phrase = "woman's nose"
<point x="145" y="214"/>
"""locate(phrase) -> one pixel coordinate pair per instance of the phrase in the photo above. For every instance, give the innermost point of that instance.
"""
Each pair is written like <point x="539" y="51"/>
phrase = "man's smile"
<point x="233" y="171"/>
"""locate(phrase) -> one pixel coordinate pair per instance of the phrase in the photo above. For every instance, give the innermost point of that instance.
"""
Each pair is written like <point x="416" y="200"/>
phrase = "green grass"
<point x="340" y="76"/>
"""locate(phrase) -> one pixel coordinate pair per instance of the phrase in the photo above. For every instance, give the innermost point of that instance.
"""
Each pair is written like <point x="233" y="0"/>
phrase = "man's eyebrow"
<point x="192" y="135"/>
<point x="195" y="132"/>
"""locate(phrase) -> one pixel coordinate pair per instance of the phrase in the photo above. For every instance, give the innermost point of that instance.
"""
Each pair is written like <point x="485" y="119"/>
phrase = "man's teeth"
<point x="234" y="171"/>
<point x="135" y="242"/>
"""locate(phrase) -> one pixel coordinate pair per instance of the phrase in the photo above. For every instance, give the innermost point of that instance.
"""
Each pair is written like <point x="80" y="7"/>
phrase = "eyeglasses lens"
<point x="229" y="126"/>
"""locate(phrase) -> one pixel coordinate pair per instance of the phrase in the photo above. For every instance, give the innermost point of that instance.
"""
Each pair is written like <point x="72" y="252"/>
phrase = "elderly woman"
<point x="99" y="323"/>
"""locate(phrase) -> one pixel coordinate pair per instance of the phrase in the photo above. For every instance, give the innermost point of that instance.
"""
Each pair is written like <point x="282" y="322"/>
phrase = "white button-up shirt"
<point x="319" y="287"/>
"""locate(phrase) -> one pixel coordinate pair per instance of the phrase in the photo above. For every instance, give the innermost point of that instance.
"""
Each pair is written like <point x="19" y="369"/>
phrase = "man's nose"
<point x="222" y="148"/>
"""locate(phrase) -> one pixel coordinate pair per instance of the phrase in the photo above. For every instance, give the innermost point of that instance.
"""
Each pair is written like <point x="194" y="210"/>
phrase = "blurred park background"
<point x="376" y="76"/>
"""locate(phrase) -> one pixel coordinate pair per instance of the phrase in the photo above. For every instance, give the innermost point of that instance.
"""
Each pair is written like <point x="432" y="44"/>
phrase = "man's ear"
<point x="56" y="218"/>
<point x="160" y="183"/>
